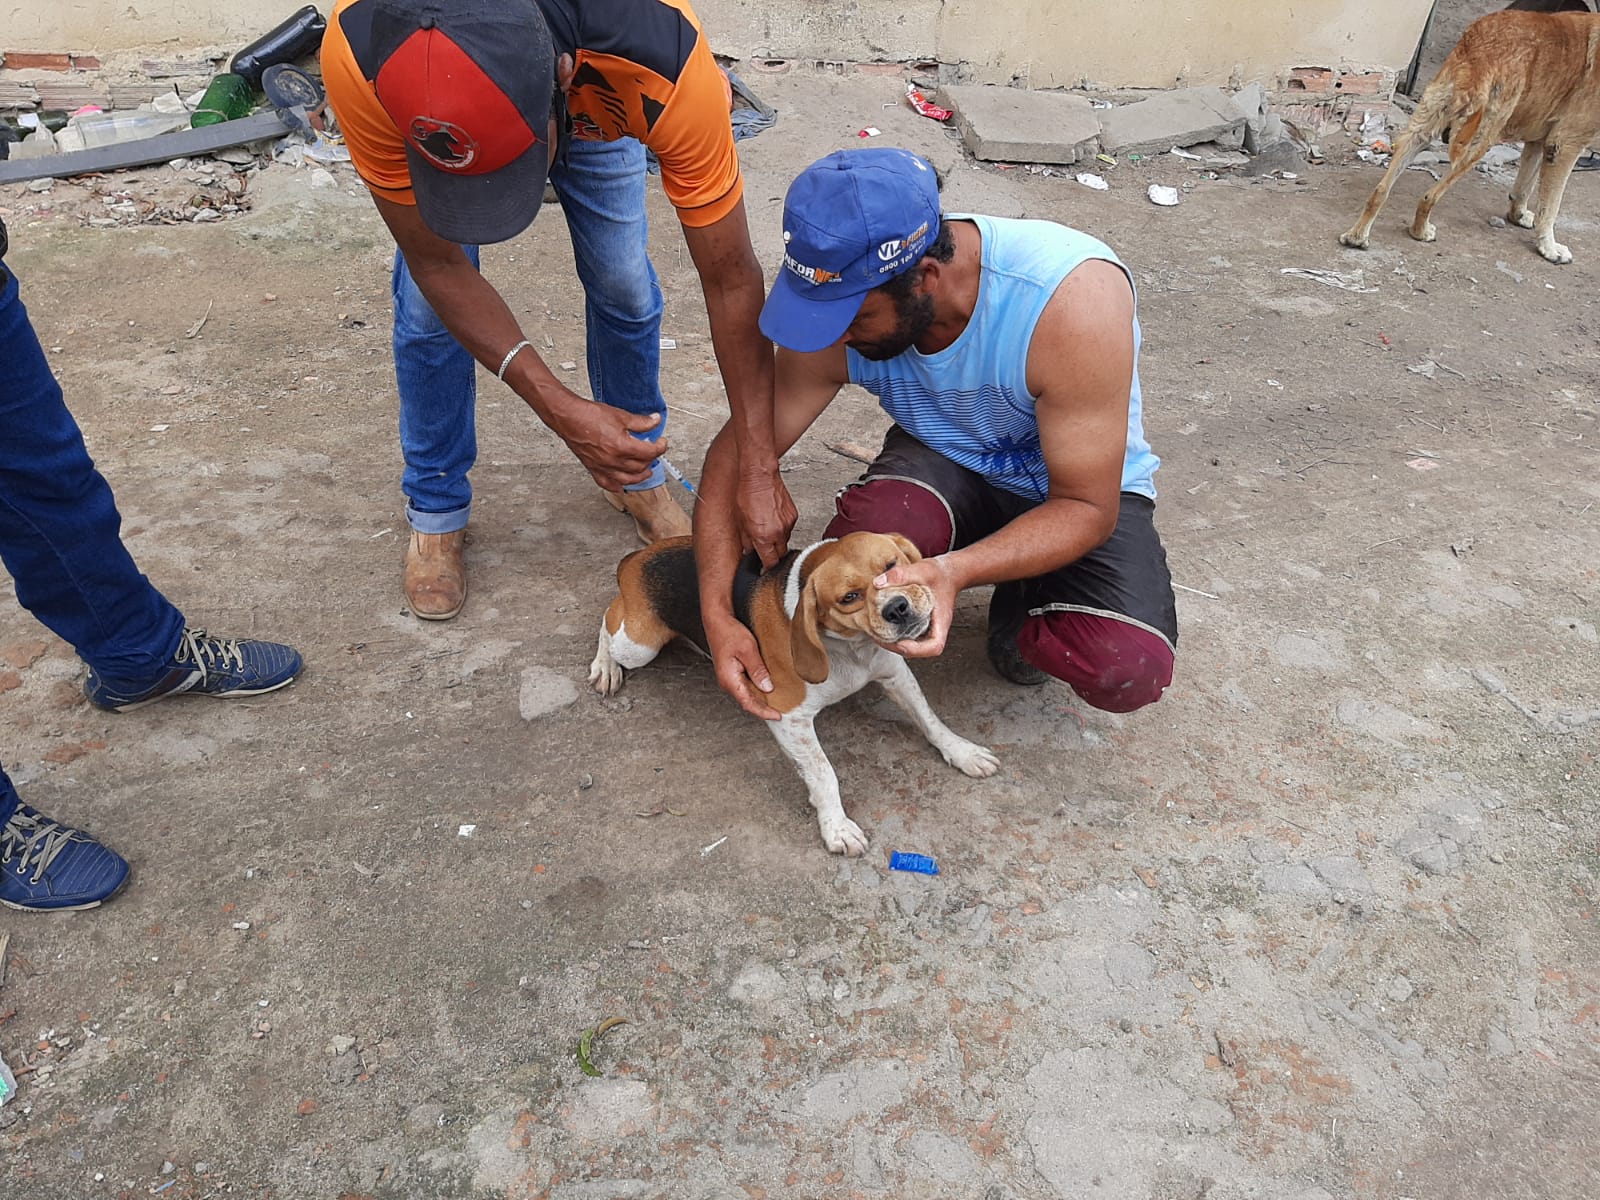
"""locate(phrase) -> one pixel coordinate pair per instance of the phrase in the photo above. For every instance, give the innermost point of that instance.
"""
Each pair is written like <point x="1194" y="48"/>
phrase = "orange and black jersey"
<point x="642" y="69"/>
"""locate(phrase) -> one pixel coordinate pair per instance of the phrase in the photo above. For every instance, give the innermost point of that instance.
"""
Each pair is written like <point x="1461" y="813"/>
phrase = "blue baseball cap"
<point x="851" y="222"/>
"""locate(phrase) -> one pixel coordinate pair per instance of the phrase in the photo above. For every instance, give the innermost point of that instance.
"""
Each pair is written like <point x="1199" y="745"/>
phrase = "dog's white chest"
<point x="849" y="670"/>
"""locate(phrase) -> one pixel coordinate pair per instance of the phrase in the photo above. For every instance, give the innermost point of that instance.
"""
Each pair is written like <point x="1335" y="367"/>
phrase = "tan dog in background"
<point x="821" y="625"/>
<point x="1513" y="76"/>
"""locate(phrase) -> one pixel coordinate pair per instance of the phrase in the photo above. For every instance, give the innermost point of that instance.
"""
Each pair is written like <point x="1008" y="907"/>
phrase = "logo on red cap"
<point x="443" y="143"/>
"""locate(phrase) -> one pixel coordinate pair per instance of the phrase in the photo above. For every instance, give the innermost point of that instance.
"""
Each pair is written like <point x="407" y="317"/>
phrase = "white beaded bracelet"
<point x="510" y="354"/>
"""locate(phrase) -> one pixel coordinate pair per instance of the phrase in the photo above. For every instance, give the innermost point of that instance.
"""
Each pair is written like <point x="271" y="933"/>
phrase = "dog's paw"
<point x="841" y="835"/>
<point x="1356" y="241"/>
<point x="1523" y="218"/>
<point x="1555" y="252"/>
<point x="605" y="676"/>
<point x="972" y="759"/>
<point x="1426" y="234"/>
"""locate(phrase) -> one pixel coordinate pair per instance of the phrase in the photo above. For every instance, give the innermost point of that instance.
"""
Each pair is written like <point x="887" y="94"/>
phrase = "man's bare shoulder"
<point x="1088" y="320"/>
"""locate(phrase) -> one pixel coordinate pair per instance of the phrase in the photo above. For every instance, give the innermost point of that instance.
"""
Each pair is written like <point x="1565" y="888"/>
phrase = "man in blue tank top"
<point x="1007" y="353"/>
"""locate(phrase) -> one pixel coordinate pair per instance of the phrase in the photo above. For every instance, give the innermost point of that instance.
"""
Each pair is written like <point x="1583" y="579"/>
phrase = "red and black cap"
<point x="469" y="88"/>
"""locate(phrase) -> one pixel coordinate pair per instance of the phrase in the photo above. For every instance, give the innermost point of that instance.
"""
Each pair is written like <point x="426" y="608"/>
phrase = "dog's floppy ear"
<point x="912" y="554"/>
<point x="805" y="638"/>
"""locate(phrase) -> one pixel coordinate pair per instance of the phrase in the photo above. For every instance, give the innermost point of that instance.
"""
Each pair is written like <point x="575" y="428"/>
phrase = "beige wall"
<point x="1045" y="43"/>
<point x="1158" y="43"/>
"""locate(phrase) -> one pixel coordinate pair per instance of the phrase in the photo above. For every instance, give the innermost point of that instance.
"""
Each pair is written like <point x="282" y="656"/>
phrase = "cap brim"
<point x="797" y="316"/>
<point x="480" y="209"/>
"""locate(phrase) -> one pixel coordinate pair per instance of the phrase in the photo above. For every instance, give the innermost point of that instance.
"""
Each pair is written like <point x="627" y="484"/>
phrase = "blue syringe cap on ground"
<point x="919" y="863"/>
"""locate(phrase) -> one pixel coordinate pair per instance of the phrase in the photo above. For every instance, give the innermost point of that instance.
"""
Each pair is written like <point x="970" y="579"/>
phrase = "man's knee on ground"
<point x="1113" y="665"/>
<point x="911" y="509"/>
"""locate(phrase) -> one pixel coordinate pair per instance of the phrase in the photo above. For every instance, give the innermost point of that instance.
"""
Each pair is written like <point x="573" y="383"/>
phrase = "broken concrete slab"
<point x="1280" y="156"/>
<point x="1250" y="102"/>
<point x="1183" y="118"/>
<point x="1273" y="132"/>
<point x="1002" y="124"/>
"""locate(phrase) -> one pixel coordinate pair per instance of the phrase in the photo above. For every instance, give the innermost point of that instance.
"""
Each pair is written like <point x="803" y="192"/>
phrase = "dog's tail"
<point x="1440" y="109"/>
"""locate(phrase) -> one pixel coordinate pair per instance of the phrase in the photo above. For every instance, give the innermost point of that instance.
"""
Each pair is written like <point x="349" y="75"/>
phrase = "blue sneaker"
<point x="205" y="665"/>
<point x="46" y="866"/>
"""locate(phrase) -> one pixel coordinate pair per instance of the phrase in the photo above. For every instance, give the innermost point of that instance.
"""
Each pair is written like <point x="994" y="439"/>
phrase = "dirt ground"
<point x="1319" y="925"/>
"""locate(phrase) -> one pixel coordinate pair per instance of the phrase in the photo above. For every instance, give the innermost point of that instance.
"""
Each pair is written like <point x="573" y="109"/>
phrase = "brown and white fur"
<point x="1513" y="76"/>
<point x="819" y="622"/>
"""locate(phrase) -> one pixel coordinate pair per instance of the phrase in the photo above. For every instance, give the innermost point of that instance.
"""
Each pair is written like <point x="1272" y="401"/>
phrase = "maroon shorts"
<point x="1106" y="624"/>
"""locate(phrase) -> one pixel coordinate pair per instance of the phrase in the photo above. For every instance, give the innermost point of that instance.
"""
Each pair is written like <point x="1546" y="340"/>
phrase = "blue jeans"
<point x="59" y="528"/>
<point x="602" y="196"/>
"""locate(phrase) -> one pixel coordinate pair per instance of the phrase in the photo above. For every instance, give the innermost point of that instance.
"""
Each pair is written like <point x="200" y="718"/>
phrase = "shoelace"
<point x="37" y="839"/>
<point x="207" y="652"/>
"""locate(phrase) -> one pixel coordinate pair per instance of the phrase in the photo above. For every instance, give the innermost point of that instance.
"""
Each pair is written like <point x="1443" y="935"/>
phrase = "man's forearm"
<point x="716" y="529"/>
<point x="479" y="318"/>
<point x="744" y="357"/>
<point x="1041" y="540"/>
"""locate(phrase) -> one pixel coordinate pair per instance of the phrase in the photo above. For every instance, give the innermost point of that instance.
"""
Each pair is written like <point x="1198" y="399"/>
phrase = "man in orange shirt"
<point x="455" y="115"/>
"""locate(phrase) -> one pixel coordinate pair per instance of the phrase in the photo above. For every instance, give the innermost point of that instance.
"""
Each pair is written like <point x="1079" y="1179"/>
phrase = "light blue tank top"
<point x="970" y="402"/>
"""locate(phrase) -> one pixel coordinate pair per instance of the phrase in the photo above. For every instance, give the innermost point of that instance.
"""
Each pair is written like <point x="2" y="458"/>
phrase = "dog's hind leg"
<point x="969" y="758"/>
<point x="1532" y="158"/>
<point x="1425" y="124"/>
<point x="798" y="737"/>
<point x="1469" y="145"/>
<point x="1552" y="186"/>
<point x="618" y="647"/>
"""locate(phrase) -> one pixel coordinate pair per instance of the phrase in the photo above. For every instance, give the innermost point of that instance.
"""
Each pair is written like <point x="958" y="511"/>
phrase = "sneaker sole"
<point x="191" y="691"/>
<point x="28" y="908"/>
<point x="59" y="908"/>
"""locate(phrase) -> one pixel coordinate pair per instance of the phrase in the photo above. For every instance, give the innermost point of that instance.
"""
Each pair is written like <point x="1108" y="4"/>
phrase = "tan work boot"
<point x="435" y="576"/>
<point x="656" y="515"/>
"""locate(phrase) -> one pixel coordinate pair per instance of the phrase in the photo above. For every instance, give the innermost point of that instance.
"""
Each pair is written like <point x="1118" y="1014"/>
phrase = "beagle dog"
<point x="820" y="624"/>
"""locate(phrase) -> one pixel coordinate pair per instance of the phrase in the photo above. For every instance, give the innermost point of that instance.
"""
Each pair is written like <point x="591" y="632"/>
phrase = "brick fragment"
<point x="1310" y="79"/>
<point x="27" y="60"/>
<point x="1371" y="83"/>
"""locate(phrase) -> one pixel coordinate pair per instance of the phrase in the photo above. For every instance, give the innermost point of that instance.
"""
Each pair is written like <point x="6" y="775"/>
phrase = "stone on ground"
<point x="1002" y="124"/>
<point x="1183" y="118"/>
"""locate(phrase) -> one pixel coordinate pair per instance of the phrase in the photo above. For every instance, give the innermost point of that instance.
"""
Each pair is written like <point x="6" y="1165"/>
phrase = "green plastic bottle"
<point x="227" y="99"/>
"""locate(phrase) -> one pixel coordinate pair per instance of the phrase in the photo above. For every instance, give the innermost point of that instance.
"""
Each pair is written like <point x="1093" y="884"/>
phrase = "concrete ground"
<point x="1320" y="925"/>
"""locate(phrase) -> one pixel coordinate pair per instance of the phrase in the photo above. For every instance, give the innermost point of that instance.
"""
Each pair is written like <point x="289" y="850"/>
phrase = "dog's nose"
<point x="897" y="611"/>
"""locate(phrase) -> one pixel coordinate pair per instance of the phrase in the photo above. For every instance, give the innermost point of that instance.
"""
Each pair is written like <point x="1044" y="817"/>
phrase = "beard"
<point x="913" y="315"/>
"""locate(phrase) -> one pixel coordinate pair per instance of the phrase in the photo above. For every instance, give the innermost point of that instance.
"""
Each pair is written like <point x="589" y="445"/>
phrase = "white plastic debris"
<point x="1374" y="129"/>
<point x="1090" y="180"/>
<point x="1348" y="281"/>
<point x="1167" y="197"/>
<point x="466" y="831"/>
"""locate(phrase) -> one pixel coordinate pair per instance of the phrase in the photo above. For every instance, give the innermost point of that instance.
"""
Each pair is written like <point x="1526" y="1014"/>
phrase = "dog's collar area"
<point x="796" y="580"/>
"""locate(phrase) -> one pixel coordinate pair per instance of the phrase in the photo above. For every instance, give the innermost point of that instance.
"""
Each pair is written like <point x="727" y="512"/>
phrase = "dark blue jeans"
<point x="59" y="528"/>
